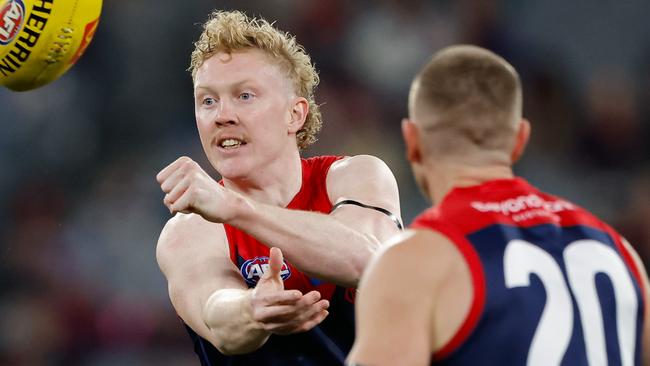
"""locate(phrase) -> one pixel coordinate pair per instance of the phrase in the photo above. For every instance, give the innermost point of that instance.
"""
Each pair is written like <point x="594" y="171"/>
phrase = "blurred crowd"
<point x="81" y="210"/>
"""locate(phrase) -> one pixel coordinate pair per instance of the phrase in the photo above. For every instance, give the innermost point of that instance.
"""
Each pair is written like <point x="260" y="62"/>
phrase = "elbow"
<point x="232" y="349"/>
<point x="227" y="348"/>
<point x="226" y="329"/>
<point x="223" y="344"/>
<point x="230" y="345"/>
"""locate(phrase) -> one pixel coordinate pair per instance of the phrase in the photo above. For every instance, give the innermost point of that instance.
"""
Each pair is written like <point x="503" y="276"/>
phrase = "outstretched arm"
<point x="334" y="247"/>
<point x="210" y="296"/>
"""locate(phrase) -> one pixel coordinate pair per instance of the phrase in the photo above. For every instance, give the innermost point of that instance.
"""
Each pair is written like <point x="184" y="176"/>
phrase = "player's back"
<point x="553" y="285"/>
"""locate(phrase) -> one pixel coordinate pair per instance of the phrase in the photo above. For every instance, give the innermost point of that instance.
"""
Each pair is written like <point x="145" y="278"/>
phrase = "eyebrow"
<point x="234" y="85"/>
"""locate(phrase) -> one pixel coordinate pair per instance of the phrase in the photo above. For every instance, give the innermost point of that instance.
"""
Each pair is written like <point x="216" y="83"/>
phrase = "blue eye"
<point x="209" y="101"/>
<point x="245" y="96"/>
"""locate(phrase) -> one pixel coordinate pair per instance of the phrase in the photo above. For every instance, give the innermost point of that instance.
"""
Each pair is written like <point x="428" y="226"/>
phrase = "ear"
<point x="410" y="133"/>
<point x="298" y="114"/>
<point x="523" y="133"/>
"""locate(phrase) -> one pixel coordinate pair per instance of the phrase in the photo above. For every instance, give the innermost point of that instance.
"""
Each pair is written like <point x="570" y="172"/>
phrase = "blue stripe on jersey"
<point x="511" y="316"/>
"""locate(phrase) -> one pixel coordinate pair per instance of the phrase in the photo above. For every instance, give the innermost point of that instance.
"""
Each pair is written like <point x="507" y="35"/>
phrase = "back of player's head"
<point x="233" y="31"/>
<point x="466" y="99"/>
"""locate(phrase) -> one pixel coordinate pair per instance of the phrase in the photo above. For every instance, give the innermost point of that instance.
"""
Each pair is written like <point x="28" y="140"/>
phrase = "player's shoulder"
<point x="421" y="243"/>
<point x="355" y="162"/>
<point x="359" y="167"/>
<point x="419" y="253"/>
<point x="365" y="178"/>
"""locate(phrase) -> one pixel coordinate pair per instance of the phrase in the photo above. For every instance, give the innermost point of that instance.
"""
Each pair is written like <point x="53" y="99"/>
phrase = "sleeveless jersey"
<point x="326" y="344"/>
<point x="553" y="285"/>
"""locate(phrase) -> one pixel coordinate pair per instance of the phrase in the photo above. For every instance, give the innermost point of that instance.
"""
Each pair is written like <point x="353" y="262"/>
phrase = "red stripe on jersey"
<point x="629" y="260"/>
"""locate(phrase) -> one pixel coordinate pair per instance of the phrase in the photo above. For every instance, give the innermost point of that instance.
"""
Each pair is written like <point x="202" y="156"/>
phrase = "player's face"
<point x="243" y="107"/>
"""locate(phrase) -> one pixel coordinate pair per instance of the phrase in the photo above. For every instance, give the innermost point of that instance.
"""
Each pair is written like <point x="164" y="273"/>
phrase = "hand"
<point x="283" y="311"/>
<point x="189" y="189"/>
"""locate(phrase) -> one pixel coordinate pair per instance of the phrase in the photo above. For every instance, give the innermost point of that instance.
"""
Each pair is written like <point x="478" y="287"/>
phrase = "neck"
<point x="445" y="177"/>
<point x="275" y="183"/>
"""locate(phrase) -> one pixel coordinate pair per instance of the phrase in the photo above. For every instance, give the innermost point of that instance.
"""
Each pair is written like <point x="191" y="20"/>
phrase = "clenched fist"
<point x="189" y="189"/>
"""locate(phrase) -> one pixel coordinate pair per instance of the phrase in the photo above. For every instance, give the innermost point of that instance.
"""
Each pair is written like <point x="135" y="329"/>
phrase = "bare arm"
<point x="333" y="247"/>
<point x="209" y="294"/>
<point x="397" y="298"/>
<point x="194" y="258"/>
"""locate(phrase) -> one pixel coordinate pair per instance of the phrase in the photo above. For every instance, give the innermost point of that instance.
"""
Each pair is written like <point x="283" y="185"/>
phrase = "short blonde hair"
<point x="228" y="31"/>
<point x="473" y="95"/>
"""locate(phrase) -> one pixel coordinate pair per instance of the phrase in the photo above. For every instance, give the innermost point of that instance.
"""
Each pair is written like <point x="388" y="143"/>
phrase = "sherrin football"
<point x="41" y="39"/>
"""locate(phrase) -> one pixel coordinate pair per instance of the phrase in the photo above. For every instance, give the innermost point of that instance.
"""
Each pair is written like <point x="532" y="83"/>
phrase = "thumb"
<point x="276" y="260"/>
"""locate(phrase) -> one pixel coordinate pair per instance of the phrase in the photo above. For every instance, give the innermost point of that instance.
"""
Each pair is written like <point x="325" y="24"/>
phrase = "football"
<point x="41" y="39"/>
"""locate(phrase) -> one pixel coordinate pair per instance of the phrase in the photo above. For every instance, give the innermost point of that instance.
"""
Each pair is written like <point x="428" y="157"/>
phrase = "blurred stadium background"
<point x="81" y="210"/>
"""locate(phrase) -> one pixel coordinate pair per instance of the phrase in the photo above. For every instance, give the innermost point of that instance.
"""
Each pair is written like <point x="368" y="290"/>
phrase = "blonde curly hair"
<point x="228" y="31"/>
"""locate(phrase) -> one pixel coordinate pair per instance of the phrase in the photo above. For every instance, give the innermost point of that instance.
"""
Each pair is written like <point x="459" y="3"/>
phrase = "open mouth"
<point x="231" y="143"/>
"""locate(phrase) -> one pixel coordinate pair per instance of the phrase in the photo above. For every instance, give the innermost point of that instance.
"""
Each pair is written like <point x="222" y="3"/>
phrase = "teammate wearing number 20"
<point x="496" y="272"/>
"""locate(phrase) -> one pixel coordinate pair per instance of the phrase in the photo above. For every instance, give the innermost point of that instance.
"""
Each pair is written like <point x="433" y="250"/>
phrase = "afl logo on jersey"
<point x="12" y="15"/>
<point x="253" y="269"/>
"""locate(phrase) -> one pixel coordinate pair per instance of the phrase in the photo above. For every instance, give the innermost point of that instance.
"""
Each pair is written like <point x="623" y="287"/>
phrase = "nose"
<point x="225" y="114"/>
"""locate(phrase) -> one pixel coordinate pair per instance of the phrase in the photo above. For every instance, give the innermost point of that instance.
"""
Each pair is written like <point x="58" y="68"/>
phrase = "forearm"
<point x="228" y="316"/>
<point x="317" y="244"/>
